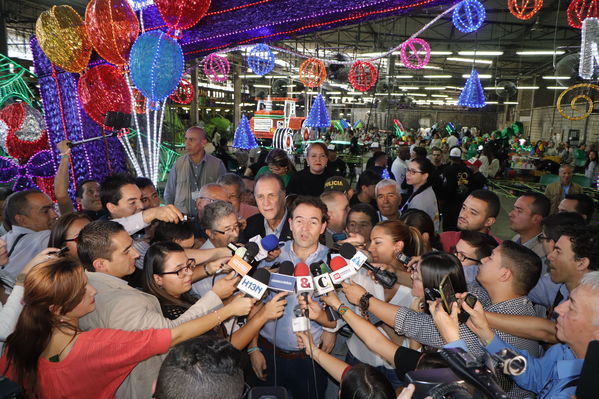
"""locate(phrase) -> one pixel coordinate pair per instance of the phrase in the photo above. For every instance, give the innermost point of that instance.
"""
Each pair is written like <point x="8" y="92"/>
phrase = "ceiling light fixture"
<point x="540" y="52"/>
<point x="482" y="52"/>
<point x="466" y="76"/>
<point x="527" y="87"/>
<point x="438" y="76"/>
<point x="469" y="60"/>
<point x="556" y="77"/>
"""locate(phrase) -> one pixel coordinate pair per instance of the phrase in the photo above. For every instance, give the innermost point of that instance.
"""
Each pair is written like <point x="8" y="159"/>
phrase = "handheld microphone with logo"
<point x="265" y="245"/>
<point x="242" y="257"/>
<point x="323" y="285"/>
<point x="386" y="278"/>
<point x="255" y="287"/>
<point x="341" y="270"/>
<point x="283" y="280"/>
<point x="303" y="282"/>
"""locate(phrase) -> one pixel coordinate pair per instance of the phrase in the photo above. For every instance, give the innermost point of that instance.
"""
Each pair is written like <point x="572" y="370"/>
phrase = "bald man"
<point x="191" y="172"/>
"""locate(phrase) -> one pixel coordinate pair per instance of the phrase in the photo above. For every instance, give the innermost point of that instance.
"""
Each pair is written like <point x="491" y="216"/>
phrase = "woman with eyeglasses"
<point x="419" y="176"/>
<point x="50" y="356"/>
<point x="167" y="275"/>
<point x="278" y="162"/>
<point x="66" y="230"/>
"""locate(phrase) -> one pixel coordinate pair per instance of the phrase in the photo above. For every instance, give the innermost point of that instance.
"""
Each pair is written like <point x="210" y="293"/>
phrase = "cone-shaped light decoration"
<point x="244" y="137"/>
<point x="472" y="95"/>
<point x="319" y="116"/>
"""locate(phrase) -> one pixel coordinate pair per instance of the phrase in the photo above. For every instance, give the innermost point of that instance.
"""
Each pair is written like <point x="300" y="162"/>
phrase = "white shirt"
<point x="452" y="141"/>
<point x="403" y="297"/>
<point x="399" y="169"/>
<point x="32" y="243"/>
<point x="9" y="313"/>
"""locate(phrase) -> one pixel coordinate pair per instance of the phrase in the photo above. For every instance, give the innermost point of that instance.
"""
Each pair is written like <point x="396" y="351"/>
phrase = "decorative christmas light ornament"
<point x="102" y="89"/>
<point x="573" y="106"/>
<point x="589" y="55"/>
<point x="112" y="27"/>
<point x="3" y="134"/>
<point x="468" y="16"/>
<point x="362" y="75"/>
<point x="522" y="9"/>
<point x="473" y="95"/>
<point x="183" y="93"/>
<point x="318" y="116"/>
<point x="415" y="53"/>
<point x="140" y="101"/>
<point x="385" y="174"/>
<point x="579" y="10"/>
<point x="312" y="72"/>
<point x="244" y="137"/>
<point x="156" y="64"/>
<point x="261" y="60"/>
<point x="40" y="165"/>
<point x="27" y="132"/>
<point x="180" y="15"/>
<point x="216" y="68"/>
<point x="62" y="35"/>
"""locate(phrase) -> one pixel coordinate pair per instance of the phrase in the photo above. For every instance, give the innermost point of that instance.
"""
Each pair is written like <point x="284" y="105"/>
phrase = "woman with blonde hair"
<point x="389" y="240"/>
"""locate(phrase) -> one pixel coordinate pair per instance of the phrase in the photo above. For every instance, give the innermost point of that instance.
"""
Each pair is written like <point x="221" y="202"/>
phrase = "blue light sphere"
<point x="261" y="60"/>
<point x="468" y="16"/>
<point x="156" y="65"/>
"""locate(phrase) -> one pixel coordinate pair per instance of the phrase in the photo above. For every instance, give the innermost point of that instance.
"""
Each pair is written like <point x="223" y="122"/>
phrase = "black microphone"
<point x="322" y="285"/>
<point x="386" y="278"/>
<point x="255" y="287"/>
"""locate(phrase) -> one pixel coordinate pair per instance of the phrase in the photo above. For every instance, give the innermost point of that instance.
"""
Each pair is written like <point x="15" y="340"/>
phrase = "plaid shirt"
<point x="421" y="327"/>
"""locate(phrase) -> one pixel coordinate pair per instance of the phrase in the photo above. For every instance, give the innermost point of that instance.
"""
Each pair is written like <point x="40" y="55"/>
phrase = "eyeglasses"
<point x="462" y="257"/>
<point x="544" y="238"/>
<point x="188" y="268"/>
<point x="74" y="239"/>
<point x="413" y="171"/>
<point x="209" y="200"/>
<point x="228" y="230"/>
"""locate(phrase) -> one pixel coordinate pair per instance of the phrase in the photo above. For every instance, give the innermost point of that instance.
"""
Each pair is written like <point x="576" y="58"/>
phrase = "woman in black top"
<point x="310" y="180"/>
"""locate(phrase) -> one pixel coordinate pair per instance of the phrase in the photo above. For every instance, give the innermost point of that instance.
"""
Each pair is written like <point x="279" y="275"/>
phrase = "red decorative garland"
<point x="579" y="10"/>
<point x="362" y="75"/>
<point x="522" y="9"/>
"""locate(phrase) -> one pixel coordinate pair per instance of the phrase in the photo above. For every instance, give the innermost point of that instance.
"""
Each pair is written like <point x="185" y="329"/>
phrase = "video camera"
<point x="467" y="377"/>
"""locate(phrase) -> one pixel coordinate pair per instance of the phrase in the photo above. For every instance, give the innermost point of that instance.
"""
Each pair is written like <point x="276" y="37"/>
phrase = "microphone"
<point x="242" y="257"/>
<point x="254" y="287"/>
<point x="75" y="143"/>
<point x="322" y="280"/>
<point x="283" y="280"/>
<point x="303" y="282"/>
<point x="265" y="245"/>
<point x="323" y="285"/>
<point x="386" y="278"/>
<point x="341" y="270"/>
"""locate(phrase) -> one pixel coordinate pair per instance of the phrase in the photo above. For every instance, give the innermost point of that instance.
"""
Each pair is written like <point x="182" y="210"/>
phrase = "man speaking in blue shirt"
<point x="308" y="220"/>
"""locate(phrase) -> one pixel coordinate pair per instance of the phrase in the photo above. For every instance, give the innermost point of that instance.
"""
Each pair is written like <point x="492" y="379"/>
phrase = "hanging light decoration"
<point x="579" y="10"/>
<point x="312" y="72"/>
<point x="589" y="56"/>
<point x="183" y="93"/>
<point x="318" y="116"/>
<point x="468" y="16"/>
<point x="411" y="53"/>
<point x="473" y="95"/>
<point x="216" y="68"/>
<point x="582" y="96"/>
<point x="244" y="137"/>
<point x="261" y="59"/>
<point x="522" y="9"/>
<point x="362" y="75"/>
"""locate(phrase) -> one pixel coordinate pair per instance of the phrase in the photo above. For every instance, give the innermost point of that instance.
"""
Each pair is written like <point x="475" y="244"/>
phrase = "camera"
<point x="466" y="376"/>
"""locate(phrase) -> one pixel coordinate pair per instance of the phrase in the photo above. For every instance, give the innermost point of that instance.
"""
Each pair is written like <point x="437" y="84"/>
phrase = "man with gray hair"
<point x="219" y="221"/>
<point x="208" y="193"/>
<point x="388" y="198"/>
<point x="192" y="171"/>
<point x="235" y="188"/>
<point x="556" y="374"/>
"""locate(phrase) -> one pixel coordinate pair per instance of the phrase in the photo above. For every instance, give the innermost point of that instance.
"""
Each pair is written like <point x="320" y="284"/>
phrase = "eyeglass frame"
<point x="457" y="254"/>
<point x="238" y="228"/>
<point x="413" y="172"/>
<point x="190" y="265"/>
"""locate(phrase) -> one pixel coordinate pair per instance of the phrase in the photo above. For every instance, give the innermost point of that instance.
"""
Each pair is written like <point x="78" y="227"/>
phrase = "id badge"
<point x="195" y="195"/>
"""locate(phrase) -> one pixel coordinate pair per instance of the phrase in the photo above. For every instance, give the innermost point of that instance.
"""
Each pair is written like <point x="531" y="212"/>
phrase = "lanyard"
<point x="196" y="178"/>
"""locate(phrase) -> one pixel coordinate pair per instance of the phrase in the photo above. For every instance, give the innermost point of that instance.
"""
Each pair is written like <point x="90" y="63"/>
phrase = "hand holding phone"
<point x="448" y="297"/>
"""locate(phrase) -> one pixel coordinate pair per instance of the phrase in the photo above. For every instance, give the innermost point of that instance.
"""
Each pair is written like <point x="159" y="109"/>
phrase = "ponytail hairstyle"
<point x="58" y="283"/>
<point x="414" y="245"/>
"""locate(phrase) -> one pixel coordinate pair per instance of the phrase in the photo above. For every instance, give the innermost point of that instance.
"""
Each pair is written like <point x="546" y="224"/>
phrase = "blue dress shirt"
<point x="284" y="337"/>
